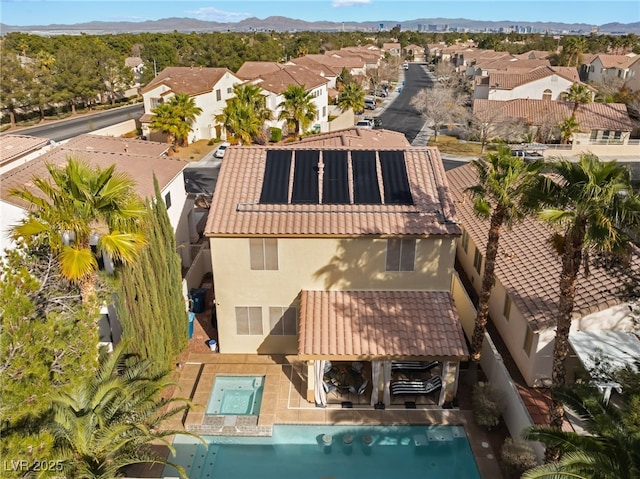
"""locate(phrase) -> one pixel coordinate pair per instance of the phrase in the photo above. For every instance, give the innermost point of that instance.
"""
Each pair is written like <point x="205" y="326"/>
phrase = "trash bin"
<point x="198" y="297"/>
<point x="213" y="345"/>
<point x="192" y="317"/>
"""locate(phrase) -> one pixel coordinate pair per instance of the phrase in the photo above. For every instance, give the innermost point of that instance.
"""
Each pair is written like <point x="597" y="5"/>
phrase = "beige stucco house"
<point x="524" y="300"/>
<point x="336" y="253"/>
<point x="209" y="87"/>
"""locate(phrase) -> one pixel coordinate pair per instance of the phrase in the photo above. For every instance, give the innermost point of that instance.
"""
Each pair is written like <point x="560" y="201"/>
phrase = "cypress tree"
<point x="151" y="307"/>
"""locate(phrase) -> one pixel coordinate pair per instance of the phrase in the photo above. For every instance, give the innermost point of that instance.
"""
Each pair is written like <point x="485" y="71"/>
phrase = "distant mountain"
<point x="290" y="24"/>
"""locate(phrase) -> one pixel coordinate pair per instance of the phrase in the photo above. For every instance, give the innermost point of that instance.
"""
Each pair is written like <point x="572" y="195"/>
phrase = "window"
<point x="546" y="95"/>
<point x="401" y="254"/>
<point x="528" y="341"/>
<point x="229" y="90"/>
<point x="155" y="102"/>
<point x="218" y="95"/>
<point x="167" y="200"/>
<point x="263" y="253"/>
<point x="477" y="260"/>
<point x="248" y="320"/>
<point x="506" y="311"/>
<point x="283" y="321"/>
<point x="324" y="112"/>
<point x="465" y="241"/>
<point x="554" y="78"/>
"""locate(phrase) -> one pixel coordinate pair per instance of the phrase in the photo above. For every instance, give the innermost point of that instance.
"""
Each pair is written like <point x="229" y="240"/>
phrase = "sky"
<point x="46" y="12"/>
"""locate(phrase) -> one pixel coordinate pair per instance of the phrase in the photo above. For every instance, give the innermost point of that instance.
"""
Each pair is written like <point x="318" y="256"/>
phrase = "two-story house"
<point x="606" y="67"/>
<point x="541" y="83"/>
<point x="337" y="253"/>
<point x="209" y="87"/>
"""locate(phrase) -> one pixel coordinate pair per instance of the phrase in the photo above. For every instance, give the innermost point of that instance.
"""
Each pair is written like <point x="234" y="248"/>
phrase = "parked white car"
<point x="365" y="124"/>
<point x="219" y="153"/>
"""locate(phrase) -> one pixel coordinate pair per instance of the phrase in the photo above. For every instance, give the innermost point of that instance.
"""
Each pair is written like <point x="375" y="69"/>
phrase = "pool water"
<point x="336" y="452"/>
<point x="236" y="395"/>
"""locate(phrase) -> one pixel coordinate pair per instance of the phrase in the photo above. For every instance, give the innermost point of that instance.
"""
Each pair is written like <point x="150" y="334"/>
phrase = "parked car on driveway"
<point x="365" y="124"/>
<point x="369" y="104"/>
<point x="219" y="153"/>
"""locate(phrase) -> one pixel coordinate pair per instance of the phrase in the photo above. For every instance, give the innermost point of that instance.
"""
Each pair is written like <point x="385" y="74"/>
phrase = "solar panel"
<point x="335" y="182"/>
<point x="365" y="178"/>
<point x="305" y="177"/>
<point x="394" y="178"/>
<point x="275" y="184"/>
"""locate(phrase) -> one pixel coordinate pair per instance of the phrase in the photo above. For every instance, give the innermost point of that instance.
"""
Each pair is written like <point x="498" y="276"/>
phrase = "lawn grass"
<point x="453" y="146"/>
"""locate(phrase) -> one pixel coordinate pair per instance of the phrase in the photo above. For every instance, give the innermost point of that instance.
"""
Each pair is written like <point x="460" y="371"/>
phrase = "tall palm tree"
<point x="110" y="422"/>
<point x="297" y="108"/>
<point x="75" y="204"/>
<point x="609" y="450"/>
<point x="504" y="182"/>
<point x="351" y="97"/>
<point x="568" y="127"/>
<point x="592" y="205"/>
<point x="245" y="114"/>
<point x="187" y="111"/>
<point x="579" y="94"/>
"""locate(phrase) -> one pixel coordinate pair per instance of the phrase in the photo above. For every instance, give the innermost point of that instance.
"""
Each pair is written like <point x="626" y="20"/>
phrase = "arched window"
<point x="546" y="95"/>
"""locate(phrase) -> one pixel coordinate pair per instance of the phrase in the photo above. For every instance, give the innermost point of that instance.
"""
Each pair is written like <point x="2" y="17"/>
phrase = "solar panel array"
<point x="336" y="169"/>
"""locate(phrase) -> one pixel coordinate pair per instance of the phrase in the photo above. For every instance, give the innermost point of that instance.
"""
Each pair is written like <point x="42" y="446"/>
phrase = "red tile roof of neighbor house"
<point x="346" y="61"/>
<point x="508" y="80"/>
<point x="140" y="161"/>
<point x="357" y="137"/>
<point x="590" y="116"/>
<point x="279" y="80"/>
<point x="15" y="146"/>
<point x="189" y="80"/>
<point x="317" y="67"/>
<point x="617" y="61"/>
<point x="236" y="210"/>
<point x="380" y="324"/>
<point x="252" y="70"/>
<point x="526" y="264"/>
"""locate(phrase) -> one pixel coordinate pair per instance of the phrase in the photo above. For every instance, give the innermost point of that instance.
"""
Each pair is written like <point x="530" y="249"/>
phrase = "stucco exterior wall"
<point x="533" y="90"/>
<point x="312" y="264"/>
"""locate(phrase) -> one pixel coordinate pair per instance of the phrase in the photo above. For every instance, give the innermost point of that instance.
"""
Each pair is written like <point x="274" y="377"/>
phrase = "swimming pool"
<point x="236" y="395"/>
<point x="336" y="452"/>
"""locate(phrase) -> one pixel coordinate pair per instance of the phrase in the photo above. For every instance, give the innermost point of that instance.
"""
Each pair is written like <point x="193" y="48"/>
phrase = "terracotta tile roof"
<point x="389" y="46"/>
<point x="15" y="146"/>
<point x="357" y="137"/>
<point x="510" y="63"/>
<point x="527" y="266"/>
<point x="278" y="81"/>
<point x="380" y="324"/>
<point x="347" y="61"/>
<point x="140" y="166"/>
<point x="189" y="80"/>
<point x="617" y="61"/>
<point x="534" y="54"/>
<point x="252" y="70"/>
<point x="508" y="80"/>
<point x="316" y="66"/>
<point x="590" y="116"/>
<point x="236" y="210"/>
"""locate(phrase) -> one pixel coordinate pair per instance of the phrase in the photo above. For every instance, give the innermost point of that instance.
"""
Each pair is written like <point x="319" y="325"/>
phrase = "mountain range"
<point x="289" y="24"/>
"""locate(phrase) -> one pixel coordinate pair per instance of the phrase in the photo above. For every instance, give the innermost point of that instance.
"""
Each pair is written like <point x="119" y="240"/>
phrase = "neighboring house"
<point x="503" y="63"/>
<point x="394" y="49"/>
<point x="542" y="83"/>
<point x="599" y="123"/>
<point x="209" y="87"/>
<point x="330" y="72"/>
<point x="275" y="82"/>
<point x="415" y="52"/>
<point x="524" y="301"/>
<point x="336" y="253"/>
<point x="16" y="150"/>
<point x="141" y="160"/>
<point x="604" y="68"/>
<point x="356" y="65"/>
<point x="357" y="137"/>
<point x="137" y="65"/>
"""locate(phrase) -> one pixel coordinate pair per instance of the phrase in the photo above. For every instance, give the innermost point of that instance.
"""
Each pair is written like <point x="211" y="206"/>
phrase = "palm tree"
<point x="187" y="111"/>
<point x="167" y="121"/>
<point x="110" y="422"/>
<point x="351" y="97"/>
<point x="245" y="113"/>
<point x="298" y="108"/>
<point x="504" y="181"/>
<point x="579" y="94"/>
<point x="77" y="203"/>
<point x="610" y="450"/>
<point x="567" y="128"/>
<point x="592" y="204"/>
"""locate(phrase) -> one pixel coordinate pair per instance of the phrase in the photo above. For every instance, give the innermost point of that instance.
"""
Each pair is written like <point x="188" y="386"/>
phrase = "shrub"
<point x="276" y="135"/>
<point x="487" y="404"/>
<point x="211" y="142"/>
<point x="517" y="457"/>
